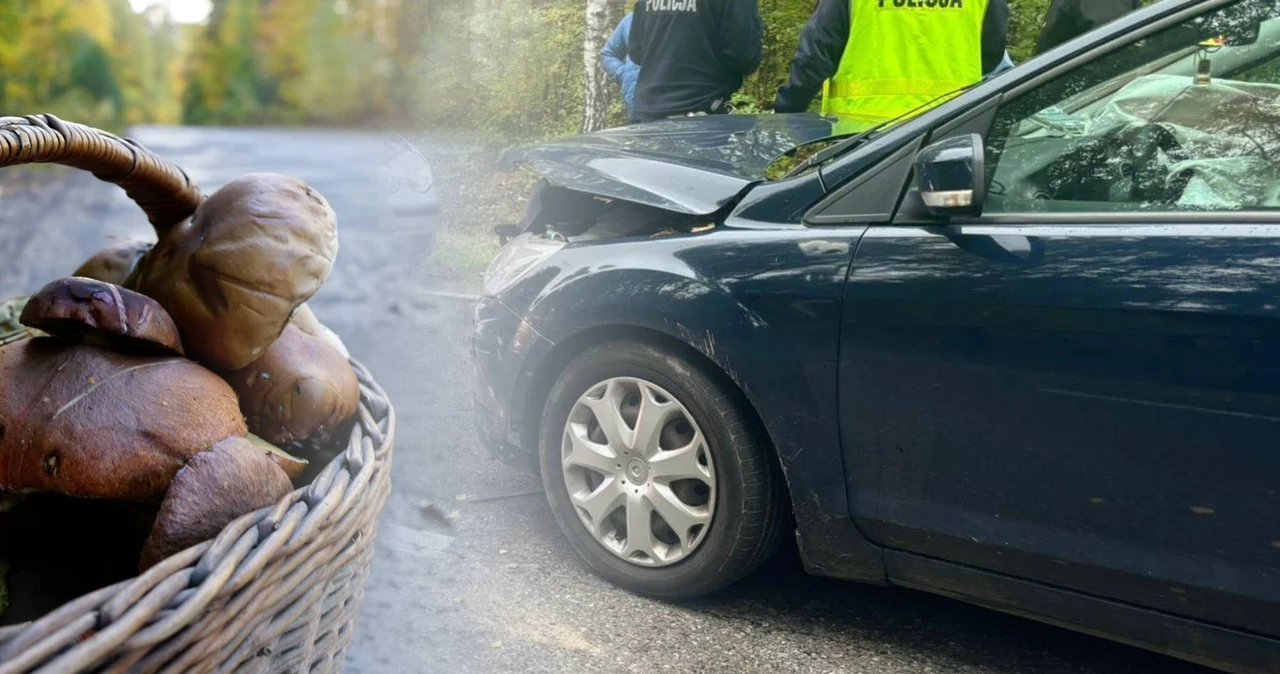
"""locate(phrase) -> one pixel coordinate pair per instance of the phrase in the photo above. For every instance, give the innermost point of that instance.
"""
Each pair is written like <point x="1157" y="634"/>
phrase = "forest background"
<point x="514" y="69"/>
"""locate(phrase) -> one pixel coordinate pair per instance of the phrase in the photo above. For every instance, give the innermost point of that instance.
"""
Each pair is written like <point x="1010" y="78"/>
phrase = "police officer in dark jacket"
<point x="1067" y="19"/>
<point x="693" y="54"/>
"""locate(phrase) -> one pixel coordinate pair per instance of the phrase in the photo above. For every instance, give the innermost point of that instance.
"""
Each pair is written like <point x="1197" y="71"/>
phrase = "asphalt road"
<point x="491" y="586"/>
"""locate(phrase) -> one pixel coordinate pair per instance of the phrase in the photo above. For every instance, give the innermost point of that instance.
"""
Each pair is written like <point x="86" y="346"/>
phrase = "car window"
<point x="1188" y="119"/>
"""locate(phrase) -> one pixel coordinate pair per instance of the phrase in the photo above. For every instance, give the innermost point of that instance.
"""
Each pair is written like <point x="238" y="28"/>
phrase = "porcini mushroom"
<point x="82" y="420"/>
<point x="215" y="487"/>
<point x="302" y="388"/>
<point x="116" y="262"/>
<point x="306" y="319"/>
<point x="233" y="274"/>
<point x="94" y="312"/>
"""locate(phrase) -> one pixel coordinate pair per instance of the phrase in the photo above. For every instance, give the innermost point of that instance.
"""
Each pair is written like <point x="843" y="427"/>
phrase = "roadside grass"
<point x="475" y="194"/>
<point x="462" y="252"/>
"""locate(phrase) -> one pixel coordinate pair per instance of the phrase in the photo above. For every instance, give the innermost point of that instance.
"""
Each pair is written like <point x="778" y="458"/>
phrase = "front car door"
<point x="1082" y="386"/>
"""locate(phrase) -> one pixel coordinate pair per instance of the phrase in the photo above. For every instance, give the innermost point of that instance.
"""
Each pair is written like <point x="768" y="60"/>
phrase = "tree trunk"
<point x="595" y="98"/>
<point x="411" y="24"/>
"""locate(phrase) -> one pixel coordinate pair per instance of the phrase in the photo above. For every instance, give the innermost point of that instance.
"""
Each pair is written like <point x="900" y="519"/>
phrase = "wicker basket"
<point x="278" y="590"/>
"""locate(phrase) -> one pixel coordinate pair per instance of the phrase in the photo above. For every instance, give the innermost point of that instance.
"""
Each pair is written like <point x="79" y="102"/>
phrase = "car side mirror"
<point x="950" y="175"/>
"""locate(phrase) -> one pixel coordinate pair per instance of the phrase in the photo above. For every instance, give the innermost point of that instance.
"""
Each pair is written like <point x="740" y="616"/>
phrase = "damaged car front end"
<point x="675" y="179"/>
<point x="683" y="237"/>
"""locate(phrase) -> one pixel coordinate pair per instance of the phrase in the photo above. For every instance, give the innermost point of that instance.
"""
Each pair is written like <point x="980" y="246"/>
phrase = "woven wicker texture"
<point x="163" y="190"/>
<point x="278" y="590"/>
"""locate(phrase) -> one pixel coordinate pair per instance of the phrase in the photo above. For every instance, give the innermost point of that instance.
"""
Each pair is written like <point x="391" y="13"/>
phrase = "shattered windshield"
<point x="1194" y="126"/>
<point x="1230" y="62"/>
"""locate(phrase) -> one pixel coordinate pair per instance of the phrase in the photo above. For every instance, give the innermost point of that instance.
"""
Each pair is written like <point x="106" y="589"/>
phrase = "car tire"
<point x="748" y="514"/>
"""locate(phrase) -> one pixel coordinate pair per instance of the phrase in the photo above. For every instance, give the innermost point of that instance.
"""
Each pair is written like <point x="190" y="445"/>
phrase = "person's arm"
<point x="742" y="35"/>
<point x="817" y="58"/>
<point x="1060" y="25"/>
<point x="995" y="34"/>
<point x="614" y="53"/>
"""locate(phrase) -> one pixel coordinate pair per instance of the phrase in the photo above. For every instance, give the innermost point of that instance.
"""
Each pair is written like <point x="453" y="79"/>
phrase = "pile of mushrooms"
<point x="178" y="370"/>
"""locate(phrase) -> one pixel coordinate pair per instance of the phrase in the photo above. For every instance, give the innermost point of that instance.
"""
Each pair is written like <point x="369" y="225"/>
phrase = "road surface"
<point x="494" y="588"/>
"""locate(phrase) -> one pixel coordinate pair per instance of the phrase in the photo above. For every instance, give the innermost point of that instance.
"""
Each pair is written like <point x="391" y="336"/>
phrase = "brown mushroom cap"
<point x="216" y="486"/>
<point x="302" y="388"/>
<point x="233" y="274"/>
<point x="85" y="421"/>
<point x="114" y="263"/>
<point x="93" y="312"/>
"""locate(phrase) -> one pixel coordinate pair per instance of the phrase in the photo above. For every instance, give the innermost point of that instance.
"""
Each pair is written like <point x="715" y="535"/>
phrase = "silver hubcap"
<point x="638" y="471"/>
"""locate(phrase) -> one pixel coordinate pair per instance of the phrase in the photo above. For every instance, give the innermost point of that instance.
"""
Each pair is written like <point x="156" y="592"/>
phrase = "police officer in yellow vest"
<point x="876" y="60"/>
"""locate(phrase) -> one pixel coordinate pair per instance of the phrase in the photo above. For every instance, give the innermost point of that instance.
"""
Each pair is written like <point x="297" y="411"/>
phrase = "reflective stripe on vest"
<point x="902" y="54"/>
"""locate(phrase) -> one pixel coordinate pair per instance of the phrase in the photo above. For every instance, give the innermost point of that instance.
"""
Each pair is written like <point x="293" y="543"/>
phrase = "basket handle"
<point x="161" y="189"/>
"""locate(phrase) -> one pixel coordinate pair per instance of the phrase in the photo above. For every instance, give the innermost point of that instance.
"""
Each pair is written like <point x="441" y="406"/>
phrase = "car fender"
<point x="678" y="306"/>
<point x="670" y="299"/>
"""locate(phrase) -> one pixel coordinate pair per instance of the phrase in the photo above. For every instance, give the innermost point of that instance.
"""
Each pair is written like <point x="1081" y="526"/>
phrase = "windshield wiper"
<point x="854" y="140"/>
<point x="823" y="155"/>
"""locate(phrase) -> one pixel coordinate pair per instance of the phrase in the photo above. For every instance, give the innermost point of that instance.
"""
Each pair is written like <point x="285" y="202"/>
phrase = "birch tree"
<point x="595" y="97"/>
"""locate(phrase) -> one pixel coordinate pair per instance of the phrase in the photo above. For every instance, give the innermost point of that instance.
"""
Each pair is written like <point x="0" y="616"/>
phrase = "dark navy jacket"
<point x="1067" y="19"/>
<point x="693" y="54"/>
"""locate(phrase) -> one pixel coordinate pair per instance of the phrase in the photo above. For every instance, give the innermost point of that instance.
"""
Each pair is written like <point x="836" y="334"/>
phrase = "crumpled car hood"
<point x="693" y="165"/>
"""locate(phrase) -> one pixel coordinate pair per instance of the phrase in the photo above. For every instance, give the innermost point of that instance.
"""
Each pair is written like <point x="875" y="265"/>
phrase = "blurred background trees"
<point x="516" y="66"/>
<point x="97" y="60"/>
<point x="103" y="62"/>
<point x="304" y="62"/>
<point x="505" y="67"/>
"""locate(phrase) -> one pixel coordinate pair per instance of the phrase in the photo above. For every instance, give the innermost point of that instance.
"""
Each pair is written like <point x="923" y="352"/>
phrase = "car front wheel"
<point x="655" y="474"/>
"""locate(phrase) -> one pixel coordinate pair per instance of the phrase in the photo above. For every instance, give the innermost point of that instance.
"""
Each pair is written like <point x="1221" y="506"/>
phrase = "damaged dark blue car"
<point x="1021" y="349"/>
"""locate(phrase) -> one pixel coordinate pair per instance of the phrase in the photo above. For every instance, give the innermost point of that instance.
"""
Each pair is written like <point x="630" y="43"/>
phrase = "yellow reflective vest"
<point x="902" y="54"/>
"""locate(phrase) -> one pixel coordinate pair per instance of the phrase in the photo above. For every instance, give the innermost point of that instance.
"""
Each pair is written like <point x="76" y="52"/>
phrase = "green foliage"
<point x="743" y="103"/>
<point x="225" y="75"/>
<point x="306" y="62"/>
<point x="511" y="67"/>
<point x="105" y="69"/>
<point x="783" y="21"/>
<point x="1026" y="18"/>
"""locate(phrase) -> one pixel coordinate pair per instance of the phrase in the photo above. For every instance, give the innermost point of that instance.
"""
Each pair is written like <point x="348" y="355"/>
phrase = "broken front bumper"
<point x="498" y="363"/>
